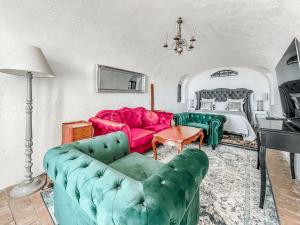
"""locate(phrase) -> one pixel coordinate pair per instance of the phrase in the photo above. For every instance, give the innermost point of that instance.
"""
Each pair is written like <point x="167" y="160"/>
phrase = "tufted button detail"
<point x="105" y="145"/>
<point x="94" y="209"/>
<point x="85" y="165"/>
<point x="117" y="186"/>
<point x="118" y="141"/>
<point x="91" y="151"/>
<point x="142" y="201"/>
<point x="55" y="172"/>
<point x="77" y="194"/>
<point x="64" y="152"/>
<point x="65" y="182"/>
<point x="99" y="174"/>
<point x="172" y="221"/>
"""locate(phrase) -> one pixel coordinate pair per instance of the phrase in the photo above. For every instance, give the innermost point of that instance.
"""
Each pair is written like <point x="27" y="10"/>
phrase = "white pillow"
<point x="221" y="106"/>
<point x="207" y="104"/>
<point x="235" y="105"/>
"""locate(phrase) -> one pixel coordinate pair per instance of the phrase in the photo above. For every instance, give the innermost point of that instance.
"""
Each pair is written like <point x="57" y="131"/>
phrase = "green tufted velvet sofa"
<point x="97" y="181"/>
<point x="212" y="125"/>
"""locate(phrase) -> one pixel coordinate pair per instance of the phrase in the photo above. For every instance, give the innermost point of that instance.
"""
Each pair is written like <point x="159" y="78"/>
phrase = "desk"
<point x="279" y="135"/>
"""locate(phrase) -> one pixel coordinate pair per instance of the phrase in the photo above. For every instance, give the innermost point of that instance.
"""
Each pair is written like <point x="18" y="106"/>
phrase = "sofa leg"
<point x="214" y="147"/>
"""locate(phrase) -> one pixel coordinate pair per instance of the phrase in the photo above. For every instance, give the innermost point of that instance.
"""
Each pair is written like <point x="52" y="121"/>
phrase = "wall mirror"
<point x="109" y="79"/>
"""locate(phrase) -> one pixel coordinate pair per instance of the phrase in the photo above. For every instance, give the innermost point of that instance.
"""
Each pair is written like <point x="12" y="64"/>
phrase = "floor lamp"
<point x="28" y="61"/>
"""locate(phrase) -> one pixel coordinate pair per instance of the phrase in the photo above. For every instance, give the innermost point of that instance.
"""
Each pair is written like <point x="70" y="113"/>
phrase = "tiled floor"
<point x="32" y="211"/>
<point x="24" y="211"/>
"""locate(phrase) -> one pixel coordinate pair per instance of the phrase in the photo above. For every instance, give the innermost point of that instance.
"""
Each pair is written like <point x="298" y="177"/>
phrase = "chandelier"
<point x="179" y="42"/>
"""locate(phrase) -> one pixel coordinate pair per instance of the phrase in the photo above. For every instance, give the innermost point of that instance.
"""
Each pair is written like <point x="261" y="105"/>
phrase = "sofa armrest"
<point x="100" y="191"/>
<point x="216" y="129"/>
<point x="107" y="126"/>
<point x="165" y="117"/>
<point x="173" y="187"/>
<point x="181" y="118"/>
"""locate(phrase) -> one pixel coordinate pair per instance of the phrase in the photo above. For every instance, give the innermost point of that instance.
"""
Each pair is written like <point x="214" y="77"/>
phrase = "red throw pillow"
<point x="150" y="118"/>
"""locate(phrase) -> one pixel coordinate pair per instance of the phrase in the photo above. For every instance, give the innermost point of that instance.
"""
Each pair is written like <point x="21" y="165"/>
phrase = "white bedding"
<point x="236" y="122"/>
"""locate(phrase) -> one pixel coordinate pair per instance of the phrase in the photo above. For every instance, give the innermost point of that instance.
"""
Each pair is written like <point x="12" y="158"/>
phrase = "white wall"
<point x="75" y="35"/>
<point x="247" y="78"/>
<point x="68" y="97"/>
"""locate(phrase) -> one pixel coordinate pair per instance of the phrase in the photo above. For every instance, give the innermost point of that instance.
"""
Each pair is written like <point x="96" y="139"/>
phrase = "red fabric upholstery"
<point x="165" y="117"/>
<point x="133" y="122"/>
<point x="157" y="128"/>
<point x="140" y="137"/>
<point x="112" y="115"/>
<point x="142" y="148"/>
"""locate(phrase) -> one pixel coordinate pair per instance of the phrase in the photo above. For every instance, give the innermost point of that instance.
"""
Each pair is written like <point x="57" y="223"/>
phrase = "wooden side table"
<point x="75" y="131"/>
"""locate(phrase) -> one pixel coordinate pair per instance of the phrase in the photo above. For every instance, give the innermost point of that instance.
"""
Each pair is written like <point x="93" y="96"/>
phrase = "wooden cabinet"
<point x="75" y="131"/>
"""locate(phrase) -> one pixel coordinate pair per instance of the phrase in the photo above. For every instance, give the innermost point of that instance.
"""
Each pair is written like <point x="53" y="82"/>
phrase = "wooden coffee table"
<point x="177" y="136"/>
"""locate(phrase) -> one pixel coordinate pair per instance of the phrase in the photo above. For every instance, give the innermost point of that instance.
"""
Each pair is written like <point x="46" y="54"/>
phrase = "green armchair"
<point x="97" y="181"/>
<point x="212" y="125"/>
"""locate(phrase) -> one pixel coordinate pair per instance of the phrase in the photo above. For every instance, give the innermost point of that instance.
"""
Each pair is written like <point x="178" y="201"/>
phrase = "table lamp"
<point x="28" y="61"/>
<point x="260" y="98"/>
<point x="192" y="104"/>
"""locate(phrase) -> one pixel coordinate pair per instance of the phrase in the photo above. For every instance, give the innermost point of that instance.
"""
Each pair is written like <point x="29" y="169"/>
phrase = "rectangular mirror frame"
<point x="98" y="80"/>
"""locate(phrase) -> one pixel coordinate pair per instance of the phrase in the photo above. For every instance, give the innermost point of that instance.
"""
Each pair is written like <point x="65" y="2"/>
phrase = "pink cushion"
<point x="150" y="118"/>
<point x="140" y="137"/>
<point x="133" y="117"/>
<point x="130" y="118"/>
<point x="157" y="128"/>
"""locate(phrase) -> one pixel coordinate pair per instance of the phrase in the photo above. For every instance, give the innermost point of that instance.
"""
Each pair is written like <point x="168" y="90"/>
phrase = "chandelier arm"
<point x="171" y="46"/>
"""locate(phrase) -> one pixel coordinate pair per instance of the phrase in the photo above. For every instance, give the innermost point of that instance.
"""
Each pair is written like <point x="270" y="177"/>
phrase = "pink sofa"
<point x="138" y="124"/>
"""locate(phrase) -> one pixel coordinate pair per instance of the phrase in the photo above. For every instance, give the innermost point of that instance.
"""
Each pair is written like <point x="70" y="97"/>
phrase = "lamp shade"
<point x="27" y="59"/>
<point x="260" y="96"/>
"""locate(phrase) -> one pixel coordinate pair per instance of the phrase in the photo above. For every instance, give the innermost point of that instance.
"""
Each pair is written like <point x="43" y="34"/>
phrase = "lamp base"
<point x="24" y="189"/>
<point x="260" y="106"/>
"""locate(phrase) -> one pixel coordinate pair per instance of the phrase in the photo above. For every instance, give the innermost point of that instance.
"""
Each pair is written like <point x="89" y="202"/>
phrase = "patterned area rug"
<point x="237" y="141"/>
<point x="230" y="191"/>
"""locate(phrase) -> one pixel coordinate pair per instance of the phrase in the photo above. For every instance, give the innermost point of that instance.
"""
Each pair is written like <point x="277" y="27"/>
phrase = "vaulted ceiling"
<point x="252" y="33"/>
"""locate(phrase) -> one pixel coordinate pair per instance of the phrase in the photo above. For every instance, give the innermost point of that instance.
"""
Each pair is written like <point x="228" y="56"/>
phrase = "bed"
<point x="236" y="122"/>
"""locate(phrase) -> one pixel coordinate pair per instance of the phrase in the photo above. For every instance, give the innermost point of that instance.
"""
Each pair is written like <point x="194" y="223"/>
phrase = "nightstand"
<point x="75" y="131"/>
<point x="259" y="114"/>
<point x="191" y="109"/>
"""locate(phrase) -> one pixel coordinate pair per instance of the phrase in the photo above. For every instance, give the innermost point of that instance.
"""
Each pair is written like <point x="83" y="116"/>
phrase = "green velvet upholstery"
<point x="211" y="124"/>
<point x="137" y="166"/>
<point x="89" y="191"/>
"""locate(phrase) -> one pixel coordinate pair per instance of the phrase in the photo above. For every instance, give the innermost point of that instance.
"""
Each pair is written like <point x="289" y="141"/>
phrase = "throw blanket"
<point x="236" y="122"/>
